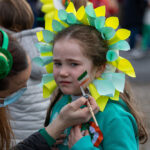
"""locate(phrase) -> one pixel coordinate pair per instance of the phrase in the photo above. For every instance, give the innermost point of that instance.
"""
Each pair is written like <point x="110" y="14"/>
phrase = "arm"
<point x="70" y="115"/>
<point x="34" y="142"/>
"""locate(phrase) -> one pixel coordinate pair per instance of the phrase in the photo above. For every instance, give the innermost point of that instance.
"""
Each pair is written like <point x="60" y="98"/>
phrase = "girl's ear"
<point x="100" y="70"/>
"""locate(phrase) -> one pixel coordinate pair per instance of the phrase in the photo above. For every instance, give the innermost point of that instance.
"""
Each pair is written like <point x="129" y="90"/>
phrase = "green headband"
<point x="6" y="59"/>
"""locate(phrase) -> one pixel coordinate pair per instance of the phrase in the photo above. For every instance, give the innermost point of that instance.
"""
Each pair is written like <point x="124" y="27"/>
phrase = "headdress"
<point x="48" y="7"/>
<point x="110" y="83"/>
<point x="6" y="60"/>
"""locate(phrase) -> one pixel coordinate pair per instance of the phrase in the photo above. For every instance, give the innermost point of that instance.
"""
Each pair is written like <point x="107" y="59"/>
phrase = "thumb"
<point x="79" y="102"/>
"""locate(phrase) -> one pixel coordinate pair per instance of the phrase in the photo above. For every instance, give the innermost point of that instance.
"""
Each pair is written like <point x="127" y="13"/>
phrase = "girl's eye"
<point x="57" y="64"/>
<point x="74" y="64"/>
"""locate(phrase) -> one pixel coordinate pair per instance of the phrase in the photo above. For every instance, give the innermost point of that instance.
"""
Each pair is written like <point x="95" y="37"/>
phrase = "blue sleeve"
<point x="84" y="144"/>
<point x="119" y="134"/>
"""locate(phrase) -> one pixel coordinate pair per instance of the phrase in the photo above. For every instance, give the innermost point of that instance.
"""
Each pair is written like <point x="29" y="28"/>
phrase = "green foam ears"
<point x="5" y="40"/>
<point x="6" y="60"/>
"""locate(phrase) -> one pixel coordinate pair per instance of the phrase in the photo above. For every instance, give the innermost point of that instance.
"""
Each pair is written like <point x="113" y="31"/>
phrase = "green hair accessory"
<point x="111" y="83"/>
<point x="6" y="59"/>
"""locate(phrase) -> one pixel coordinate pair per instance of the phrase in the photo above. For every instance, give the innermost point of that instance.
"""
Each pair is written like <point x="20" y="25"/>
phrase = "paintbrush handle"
<point x="92" y="113"/>
<point x="89" y="106"/>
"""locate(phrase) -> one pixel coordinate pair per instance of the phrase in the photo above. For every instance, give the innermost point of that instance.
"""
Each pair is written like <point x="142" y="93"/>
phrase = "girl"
<point x="15" y="69"/>
<point x="89" y="46"/>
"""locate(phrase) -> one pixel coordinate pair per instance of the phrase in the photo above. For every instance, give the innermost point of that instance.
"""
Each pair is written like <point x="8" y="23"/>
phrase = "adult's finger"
<point x="78" y="103"/>
<point x="93" y="104"/>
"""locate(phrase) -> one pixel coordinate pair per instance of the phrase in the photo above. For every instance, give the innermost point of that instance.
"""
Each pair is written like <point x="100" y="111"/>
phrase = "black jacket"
<point x="34" y="142"/>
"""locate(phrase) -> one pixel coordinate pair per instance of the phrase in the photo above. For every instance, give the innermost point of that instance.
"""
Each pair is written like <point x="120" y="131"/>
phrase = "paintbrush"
<point x="83" y="79"/>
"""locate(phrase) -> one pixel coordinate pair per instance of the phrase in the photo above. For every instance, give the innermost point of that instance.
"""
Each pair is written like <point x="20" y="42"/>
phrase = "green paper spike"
<point x="57" y="26"/>
<point x="71" y="19"/>
<point x="90" y="14"/>
<point x="62" y="15"/>
<point x="48" y="36"/>
<point x="99" y="22"/>
<point x="44" y="47"/>
<point x="47" y="78"/>
<point x="121" y="45"/>
<point x="111" y="55"/>
<point x="42" y="61"/>
<point x="107" y="33"/>
<point x="90" y="11"/>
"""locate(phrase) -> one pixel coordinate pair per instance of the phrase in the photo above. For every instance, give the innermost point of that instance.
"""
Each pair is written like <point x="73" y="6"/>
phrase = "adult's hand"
<point x="71" y="115"/>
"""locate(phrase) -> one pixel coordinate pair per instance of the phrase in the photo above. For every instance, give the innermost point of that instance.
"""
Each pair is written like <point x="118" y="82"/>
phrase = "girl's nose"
<point x="63" y="71"/>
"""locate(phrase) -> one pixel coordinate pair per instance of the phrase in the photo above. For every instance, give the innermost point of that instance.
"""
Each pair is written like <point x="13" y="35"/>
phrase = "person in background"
<point x="38" y="15"/>
<point x="142" y="50"/>
<point x="28" y="113"/>
<point x="132" y="13"/>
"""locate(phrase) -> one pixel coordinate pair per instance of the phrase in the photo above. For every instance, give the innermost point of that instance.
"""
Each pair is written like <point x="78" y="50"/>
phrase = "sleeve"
<point x="120" y="134"/>
<point x="87" y="144"/>
<point x="37" y="141"/>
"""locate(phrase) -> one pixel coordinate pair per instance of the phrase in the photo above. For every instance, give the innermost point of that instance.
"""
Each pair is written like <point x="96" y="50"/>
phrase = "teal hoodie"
<point x="116" y="123"/>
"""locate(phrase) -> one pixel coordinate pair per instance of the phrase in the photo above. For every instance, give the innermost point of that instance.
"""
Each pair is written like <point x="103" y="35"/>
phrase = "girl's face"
<point x="69" y="64"/>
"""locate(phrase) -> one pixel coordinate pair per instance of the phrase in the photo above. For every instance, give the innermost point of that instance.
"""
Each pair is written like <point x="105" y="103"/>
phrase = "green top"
<point x="117" y="124"/>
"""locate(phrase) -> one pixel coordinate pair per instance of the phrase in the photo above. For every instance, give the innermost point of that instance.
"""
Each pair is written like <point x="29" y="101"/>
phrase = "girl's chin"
<point x="71" y="93"/>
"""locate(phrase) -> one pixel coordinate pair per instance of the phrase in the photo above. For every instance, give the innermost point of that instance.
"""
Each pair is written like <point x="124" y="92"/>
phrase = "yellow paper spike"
<point x="81" y="16"/>
<point x="49" y="68"/>
<point x="47" y="8"/>
<point x="121" y="34"/>
<point x="48" y="88"/>
<point x="112" y="22"/>
<point x="46" y="1"/>
<point x="100" y="11"/>
<point x="71" y="8"/>
<point x="93" y="91"/>
<point x="47" y="54"/>
<point x="101" y="102"/>
<point x="116" y="96"/>
<point x="48" y="25"/>
<point x="49" y="15"/>
<point x="124" y="65"/>
<point x="40" y="36"/>
<point x="46" y="92"/>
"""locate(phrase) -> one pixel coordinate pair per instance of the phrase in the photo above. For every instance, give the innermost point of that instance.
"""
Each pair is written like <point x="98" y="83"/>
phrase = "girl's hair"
<point x="128" y="98"/>
<point x="20" y="61"/>
<point x="16" y="15"/>
<point x="95" y="48"/>
<point x="6" y="133"/>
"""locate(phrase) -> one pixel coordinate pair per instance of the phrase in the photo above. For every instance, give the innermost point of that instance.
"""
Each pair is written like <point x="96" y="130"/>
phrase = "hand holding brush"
<point x="83" y="79"/>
